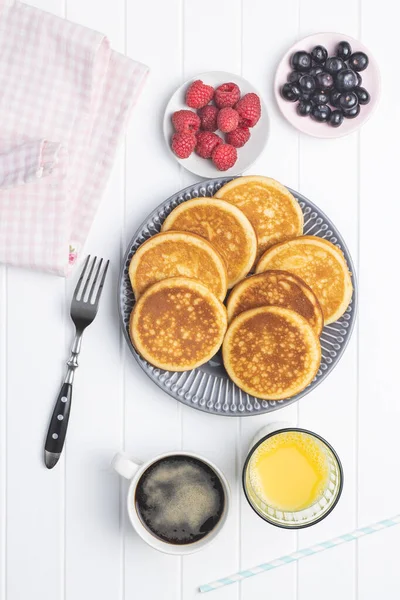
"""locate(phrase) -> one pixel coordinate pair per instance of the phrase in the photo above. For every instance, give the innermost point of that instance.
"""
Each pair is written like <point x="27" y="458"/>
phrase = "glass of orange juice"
<point x="292" y="477"/>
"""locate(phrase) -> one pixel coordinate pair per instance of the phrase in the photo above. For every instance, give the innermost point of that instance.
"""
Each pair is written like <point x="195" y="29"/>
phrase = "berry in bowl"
<point x="216" y="123"/>
<point x="327" y="85"/>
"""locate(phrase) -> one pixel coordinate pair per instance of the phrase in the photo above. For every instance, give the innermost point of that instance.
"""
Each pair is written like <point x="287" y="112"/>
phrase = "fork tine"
<point x="91" y="293"/>
<point x="88" y="279"/>
<point x="96" y="302"/>
<point x="78" y="285"/>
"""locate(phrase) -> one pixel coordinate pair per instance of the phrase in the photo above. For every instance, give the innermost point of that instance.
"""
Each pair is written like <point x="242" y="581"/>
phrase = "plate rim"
<point x="278" y="403"/>
<point x="229" y="76"/>
<point x="339" y="133"/>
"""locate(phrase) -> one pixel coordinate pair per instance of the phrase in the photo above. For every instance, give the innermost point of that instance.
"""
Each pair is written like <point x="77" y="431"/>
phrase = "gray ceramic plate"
<point x="208" y="388"/>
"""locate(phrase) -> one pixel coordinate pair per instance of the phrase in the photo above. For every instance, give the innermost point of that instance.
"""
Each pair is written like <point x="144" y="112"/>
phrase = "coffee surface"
<point x="179" y="499"/>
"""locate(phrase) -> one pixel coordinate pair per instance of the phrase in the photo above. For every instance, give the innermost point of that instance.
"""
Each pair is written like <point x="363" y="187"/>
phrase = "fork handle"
<point x="58" y="426"/>
<point x="59" y="421"/>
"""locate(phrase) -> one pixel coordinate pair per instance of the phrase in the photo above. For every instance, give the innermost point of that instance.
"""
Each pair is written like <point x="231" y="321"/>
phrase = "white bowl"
<point x="370" y="80"/>
<point x="247" y="155"/>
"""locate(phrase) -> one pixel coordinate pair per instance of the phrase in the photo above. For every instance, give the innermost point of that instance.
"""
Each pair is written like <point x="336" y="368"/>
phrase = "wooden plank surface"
<point x="65" y="535"/>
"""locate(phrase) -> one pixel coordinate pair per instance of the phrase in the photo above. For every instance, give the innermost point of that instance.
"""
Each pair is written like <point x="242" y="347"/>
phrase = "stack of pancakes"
<point x="269" y="330"/>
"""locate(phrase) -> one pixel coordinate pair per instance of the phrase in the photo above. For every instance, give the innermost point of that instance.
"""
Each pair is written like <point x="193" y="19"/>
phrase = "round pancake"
<point x="178" y="324"/>
<point x="276" y="288"/>
<point x="321" y="265"/>
<point x="222" y="224"/>
<point x="272" y="210"/>
<point x="177" y="254"/>
<point x="271" y="352"/>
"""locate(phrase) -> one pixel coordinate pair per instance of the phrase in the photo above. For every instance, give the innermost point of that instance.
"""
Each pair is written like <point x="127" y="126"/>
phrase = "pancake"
<point x="270" y="352"/>
<point x="321" y="265"/>
<point x="272" y="210"/>
<point x="222" y="224"/>
<point x="276" y="288"/>
<point x="177" y="324"/>
<point x="177" y="254"/>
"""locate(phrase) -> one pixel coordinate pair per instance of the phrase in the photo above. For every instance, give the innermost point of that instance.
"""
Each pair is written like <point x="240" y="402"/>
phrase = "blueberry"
<point x="315" y="70"/>
<point x="346" y="80"/>
<point x="358" y="61"/>
<point x="291" y="92"/>
<point x="321" y="113"/>
<point x="352" y="113"/>
<point x="348" y="101"/>
<point x="307" y="84"/>
<point x="336" y="118"/>
<point x="294" y="76"/>
<point x="301" y="61"/>
<point x="320" y="98"/>
<point x="359" y="79"/>
<point x="343" y="50"/>
<point x="324" y="81"/>
<point x="362" y="95"/>
<point x="304" y="108"/>
<point x="319" y="54"/>
<point x="334" y="64"/>
<point x="334" y="98"/>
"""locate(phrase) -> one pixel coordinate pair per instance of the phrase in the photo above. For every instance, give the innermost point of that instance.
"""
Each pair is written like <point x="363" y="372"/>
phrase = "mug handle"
<point x="124" y="466"/>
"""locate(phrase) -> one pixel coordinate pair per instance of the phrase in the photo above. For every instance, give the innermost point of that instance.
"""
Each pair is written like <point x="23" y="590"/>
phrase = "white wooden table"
<point x="64" y="533"/>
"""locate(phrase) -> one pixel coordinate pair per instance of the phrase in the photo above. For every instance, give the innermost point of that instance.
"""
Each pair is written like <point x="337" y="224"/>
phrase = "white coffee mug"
<point x="125" y="467"/>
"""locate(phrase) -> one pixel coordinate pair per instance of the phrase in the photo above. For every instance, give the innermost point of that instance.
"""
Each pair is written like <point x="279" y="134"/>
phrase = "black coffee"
<point x="179" y="499"/>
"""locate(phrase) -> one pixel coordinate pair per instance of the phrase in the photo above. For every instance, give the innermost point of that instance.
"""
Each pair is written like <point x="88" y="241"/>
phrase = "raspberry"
<point x="249" y="109"/>
<point x="185" y="121"/>
<point x="208" y="117"/>
<point x="238" y="137"/>
<point x="224" y="156"/>
<point x="183" y="144"/>
<point x="199" y="94"/>
<point x="228" y="119"/>
<point x="206" y="142"/>
<point x="227" y="94"/>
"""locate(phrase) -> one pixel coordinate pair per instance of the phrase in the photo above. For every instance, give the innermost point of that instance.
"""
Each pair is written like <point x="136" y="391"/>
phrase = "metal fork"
<point x="84" y="308"/>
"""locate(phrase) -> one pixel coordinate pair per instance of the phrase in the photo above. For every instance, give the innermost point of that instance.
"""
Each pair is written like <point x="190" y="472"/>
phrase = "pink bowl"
<point x="371" y="81"/>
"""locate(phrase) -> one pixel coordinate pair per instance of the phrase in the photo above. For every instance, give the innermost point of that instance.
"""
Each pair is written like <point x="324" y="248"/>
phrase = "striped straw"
<point x="288" y="558"/>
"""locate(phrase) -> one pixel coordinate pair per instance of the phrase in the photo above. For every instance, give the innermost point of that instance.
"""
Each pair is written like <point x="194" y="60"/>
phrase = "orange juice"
<point x="289" y="471"/>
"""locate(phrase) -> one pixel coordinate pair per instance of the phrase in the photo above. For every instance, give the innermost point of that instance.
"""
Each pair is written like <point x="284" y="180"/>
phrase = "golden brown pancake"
<point x="276" y="288"/>
<point x="321" y="265"/>
<point x="272" y="210"/>
<point x="270" y="352"/>
<point x="177" y="254"/>
<point x="178" y="324"/>
<point x="222" y="224"/>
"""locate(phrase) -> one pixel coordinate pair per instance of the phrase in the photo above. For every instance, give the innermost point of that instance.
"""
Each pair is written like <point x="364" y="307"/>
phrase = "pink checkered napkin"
<point x="65" y="98"/>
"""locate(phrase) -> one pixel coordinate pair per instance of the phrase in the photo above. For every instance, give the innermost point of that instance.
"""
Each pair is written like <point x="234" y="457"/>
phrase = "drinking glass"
<point x="315" y="512"/>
